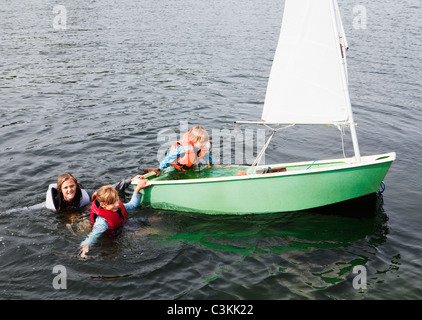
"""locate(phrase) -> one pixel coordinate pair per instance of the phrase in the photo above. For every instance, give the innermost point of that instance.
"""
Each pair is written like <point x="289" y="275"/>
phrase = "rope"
<point x="381" y="188"/>
<point x="312" y="164"/>
<point x="342" y="134"/>
<point x="262" y="152"/>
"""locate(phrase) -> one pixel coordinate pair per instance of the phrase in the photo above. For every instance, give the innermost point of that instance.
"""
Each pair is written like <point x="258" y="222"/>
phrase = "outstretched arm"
<point x="136" y="196"/>
<point x="124" y="183"/>
<point x="171" y="157"/>
<point x="100" y="226"/>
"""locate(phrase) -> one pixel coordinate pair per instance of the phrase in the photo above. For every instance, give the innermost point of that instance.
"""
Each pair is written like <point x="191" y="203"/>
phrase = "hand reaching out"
<point x="141" y="183"/>
<point x="84" y="250"/>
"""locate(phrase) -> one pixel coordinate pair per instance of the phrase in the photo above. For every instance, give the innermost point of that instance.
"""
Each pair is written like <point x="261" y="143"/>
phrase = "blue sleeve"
<point x="134" y="202"/>
<point x="171" y="157"/>
<point x="100" y="226"/>
<point x="208" y="155"/>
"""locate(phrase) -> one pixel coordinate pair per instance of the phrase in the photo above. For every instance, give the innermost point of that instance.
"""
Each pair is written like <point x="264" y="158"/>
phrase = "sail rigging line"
<point x="342" y="134"/>
<point x="264" y="148"/>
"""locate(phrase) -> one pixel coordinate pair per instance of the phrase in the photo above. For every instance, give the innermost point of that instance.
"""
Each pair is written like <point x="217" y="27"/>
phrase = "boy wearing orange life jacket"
<point x="184" y="153"/>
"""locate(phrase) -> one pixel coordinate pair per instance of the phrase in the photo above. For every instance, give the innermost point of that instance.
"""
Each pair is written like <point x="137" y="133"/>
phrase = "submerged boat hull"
<point x="304" y="185"/>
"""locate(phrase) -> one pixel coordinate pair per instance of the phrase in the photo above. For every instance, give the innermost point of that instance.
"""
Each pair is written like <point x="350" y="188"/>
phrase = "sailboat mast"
<point x="342" y="57"/>
<point x="354" y="140"/>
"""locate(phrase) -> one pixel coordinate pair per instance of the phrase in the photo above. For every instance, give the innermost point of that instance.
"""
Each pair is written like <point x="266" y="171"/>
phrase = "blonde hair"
<point x="199" y="133"/>
<point x="106" y="194"/>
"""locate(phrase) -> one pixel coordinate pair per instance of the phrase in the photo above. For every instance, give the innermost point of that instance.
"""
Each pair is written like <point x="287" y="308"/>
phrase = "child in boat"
<point x="184" y="153"/>
<point x="108" y="212"/>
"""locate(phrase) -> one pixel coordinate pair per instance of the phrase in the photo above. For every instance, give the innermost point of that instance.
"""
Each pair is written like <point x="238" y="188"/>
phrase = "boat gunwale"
<point x="347" y="163"/>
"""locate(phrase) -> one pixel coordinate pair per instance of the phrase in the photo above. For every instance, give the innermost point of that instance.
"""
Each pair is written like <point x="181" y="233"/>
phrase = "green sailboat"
<point x="308" y="85"/>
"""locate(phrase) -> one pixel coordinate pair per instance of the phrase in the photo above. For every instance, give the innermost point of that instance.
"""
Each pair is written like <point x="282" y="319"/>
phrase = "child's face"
<point x="111" y="207"/>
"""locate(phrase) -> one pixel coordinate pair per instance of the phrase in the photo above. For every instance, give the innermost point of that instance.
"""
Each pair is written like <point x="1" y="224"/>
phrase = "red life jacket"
<point x="114" y="219"/>
<point x="191" y="156"/>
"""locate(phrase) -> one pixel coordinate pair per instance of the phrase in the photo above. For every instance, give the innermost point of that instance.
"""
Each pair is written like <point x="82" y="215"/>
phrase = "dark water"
<point x="94" y="99"/>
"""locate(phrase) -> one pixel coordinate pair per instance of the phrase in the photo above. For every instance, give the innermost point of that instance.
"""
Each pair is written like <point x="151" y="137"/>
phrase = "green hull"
<point x="302" y="186"/>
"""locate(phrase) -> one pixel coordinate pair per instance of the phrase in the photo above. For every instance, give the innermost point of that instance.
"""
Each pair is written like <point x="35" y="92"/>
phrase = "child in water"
<point x="108" y="212"/>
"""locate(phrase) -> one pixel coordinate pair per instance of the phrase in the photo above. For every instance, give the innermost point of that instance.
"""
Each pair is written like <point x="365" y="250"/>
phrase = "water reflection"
<point x="282" y="231"/>
<point x="277" y="256"/>
<point x="319" y="248"/>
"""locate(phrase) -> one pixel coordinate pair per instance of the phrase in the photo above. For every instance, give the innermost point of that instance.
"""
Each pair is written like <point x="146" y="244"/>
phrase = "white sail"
<point x="308" y="79"/>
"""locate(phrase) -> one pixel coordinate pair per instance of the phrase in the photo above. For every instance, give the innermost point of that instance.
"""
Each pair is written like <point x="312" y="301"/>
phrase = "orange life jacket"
<point x="191" y="156"/>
